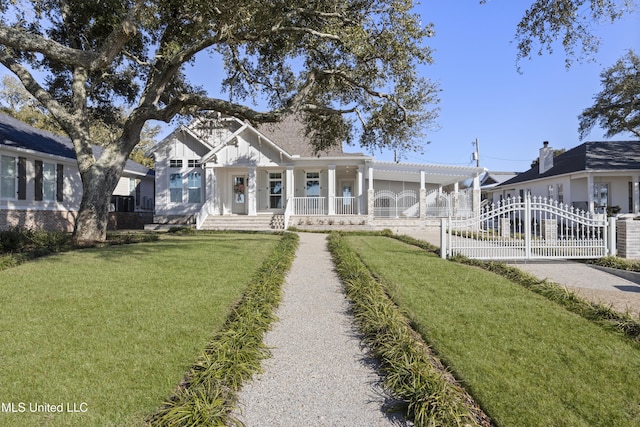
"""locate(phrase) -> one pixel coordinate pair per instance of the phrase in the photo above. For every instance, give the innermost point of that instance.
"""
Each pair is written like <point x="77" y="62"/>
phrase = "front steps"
<point x="244" y="222"/>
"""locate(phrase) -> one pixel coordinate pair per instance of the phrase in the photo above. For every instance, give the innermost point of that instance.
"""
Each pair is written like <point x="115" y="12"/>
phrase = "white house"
<point x="598" y="177"/>
<point x="218" y="169"/>
<point x="40" y="185"/>
<point x="490" y="180"/>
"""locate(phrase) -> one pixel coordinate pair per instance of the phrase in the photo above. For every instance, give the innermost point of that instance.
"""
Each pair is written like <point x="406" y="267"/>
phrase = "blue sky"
<point x="483" y="94"/>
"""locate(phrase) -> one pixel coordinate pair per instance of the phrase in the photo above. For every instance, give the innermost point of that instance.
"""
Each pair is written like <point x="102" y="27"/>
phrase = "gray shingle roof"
<point x="590" y="156"/>
<point x="17" y="134"/>
<point x="289" y="135"/>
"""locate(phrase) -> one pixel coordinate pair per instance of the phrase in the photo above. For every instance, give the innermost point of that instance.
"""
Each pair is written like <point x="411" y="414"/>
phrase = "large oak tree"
<point x="349" y="68"/>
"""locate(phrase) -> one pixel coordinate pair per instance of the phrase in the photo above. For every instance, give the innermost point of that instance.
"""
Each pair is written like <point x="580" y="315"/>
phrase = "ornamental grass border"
<point x="427" y="392"/>
<point x="208" y="393"/>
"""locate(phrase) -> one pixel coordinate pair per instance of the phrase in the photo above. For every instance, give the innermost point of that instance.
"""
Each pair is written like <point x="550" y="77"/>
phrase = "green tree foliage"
<point x="342" y="66"/>
<point x="16" y="102"/>
<point x="617" y="106"/>
<point x="568" y="21"/>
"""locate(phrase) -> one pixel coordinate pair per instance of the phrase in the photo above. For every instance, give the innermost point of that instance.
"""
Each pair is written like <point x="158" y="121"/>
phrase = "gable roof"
<point x="590" y="156"/>
<point x="17" y="134"/>
<point x="492" y="179"/>
<point x="289" y="135"/>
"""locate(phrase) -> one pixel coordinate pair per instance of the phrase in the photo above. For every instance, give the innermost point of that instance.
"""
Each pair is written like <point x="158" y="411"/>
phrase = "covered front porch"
<point x="360" y="192"/>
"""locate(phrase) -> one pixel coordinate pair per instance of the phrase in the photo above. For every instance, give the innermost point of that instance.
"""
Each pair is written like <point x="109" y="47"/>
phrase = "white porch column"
<point x="332" y="190"/>
<point x="423" y="195"/>
<point x="456" y="198"/>
<point x="476" y="195"/>
<point x="210" y="192"/>
<point x="370" y="195"/>
<point x="590" y="201"/>
<point x="290" y="187"/>
<point x="251" y="191"/>
<point x="635" y="188"/>
<point x="360" y="189"/>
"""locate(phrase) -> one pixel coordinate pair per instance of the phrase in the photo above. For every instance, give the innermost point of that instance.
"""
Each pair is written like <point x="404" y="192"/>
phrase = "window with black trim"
<point x="8" y="176"/>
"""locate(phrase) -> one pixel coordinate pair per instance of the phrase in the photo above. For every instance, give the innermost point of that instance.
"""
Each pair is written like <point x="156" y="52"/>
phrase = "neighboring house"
<point x="491" y="180"/>
<point x="222" y="167"/>
<point x="40" y="185"/>
<point x="598" y="177"/>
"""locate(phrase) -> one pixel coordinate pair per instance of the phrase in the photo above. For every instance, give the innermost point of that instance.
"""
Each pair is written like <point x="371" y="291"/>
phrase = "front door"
<point x="239" y="202"/>
<point x="346" y="205"/>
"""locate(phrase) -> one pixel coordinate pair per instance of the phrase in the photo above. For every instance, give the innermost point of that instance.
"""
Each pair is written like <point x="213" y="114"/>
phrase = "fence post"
<point x="527" y="226"/>
<point x="443" y="238"/>
<point x="613" y="249"/>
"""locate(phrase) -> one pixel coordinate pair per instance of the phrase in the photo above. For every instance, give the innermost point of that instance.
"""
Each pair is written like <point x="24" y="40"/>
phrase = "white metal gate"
<point x="387" y="204"/>
<point x="529" y="228"/>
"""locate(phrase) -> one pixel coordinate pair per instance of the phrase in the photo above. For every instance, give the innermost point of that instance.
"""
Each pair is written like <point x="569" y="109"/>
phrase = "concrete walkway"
<point x="319" y="374"/>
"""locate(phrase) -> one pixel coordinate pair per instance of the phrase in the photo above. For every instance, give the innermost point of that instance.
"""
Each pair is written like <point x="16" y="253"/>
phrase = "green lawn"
<point x="526" y="360"/>
<point x="113" y="330"/>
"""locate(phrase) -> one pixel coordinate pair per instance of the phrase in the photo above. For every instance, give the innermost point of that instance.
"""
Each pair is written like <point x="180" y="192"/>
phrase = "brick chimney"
<point x="546" y="158"/>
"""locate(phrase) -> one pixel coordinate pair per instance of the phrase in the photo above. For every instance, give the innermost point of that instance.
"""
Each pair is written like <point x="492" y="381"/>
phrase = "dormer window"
<point x="175" y="163"/>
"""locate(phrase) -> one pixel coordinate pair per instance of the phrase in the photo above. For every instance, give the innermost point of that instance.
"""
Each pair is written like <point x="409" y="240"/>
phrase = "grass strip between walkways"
<point x="603" y="314"/>
<point x="208" y="392"/>
<point x="409" y="372"/>
<point x="525" y="359"/>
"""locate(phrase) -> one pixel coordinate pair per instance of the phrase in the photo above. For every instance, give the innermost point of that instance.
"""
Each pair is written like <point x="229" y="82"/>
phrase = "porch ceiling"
<point x="434" y="174"/>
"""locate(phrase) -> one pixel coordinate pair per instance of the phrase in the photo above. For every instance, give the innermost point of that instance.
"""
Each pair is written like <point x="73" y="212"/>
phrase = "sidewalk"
<point x="319" y="374"/>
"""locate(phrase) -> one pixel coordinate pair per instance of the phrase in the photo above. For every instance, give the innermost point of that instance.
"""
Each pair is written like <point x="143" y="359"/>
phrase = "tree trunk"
<point x="98" y="184"/>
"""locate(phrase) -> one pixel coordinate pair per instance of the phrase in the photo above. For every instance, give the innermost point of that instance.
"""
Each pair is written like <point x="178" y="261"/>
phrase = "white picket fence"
<point x="529" y="228"/>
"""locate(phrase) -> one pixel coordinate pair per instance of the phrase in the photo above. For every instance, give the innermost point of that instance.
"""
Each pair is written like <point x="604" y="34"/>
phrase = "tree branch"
<point x="115" y="42"/>
<point x="24" y="41"/>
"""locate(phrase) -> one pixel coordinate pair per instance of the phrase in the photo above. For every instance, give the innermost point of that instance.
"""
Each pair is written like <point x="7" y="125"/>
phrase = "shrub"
<point x="21" y="240"/>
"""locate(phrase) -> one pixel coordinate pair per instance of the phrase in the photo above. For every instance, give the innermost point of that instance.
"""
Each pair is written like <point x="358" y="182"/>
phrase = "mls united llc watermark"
<point x="64" y="407"/>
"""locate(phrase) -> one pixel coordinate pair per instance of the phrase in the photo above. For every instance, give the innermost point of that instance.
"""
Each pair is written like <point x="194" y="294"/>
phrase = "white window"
<point x="550" y="192"/>
<point x="132" y="186"/>
<point x="194" y="185"/>
<point x="175" y="188"/>
<point x="560" y="193"/>
<point x="193" y="163"/>
<point x="601" y="196"/>
<point x="49" y="181"/>
<point x="275" y="190"/>
<point x="8" y="176"/>
<point x="313" y="184"/>
<point x="175" y="163"/>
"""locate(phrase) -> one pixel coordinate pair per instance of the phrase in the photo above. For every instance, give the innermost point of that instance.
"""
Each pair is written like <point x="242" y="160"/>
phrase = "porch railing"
<point x="346" y="205"/>
<point x="309" y="206"/>
<point x="202" y="215"/>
